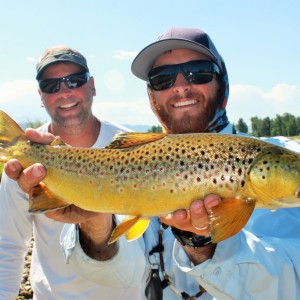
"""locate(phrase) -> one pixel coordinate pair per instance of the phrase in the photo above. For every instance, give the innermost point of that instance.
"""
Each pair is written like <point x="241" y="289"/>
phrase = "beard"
<point x="72" y="120"/>
<point x="187" y="123"/>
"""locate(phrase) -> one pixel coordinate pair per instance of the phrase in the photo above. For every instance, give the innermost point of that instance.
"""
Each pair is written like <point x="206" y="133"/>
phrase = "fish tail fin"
<point x="132" y="227"/>
<point x="229" y="217"/>
<point x="10" y="131"/>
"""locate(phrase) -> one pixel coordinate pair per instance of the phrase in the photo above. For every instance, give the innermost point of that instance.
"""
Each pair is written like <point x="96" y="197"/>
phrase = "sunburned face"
<point x="185" y="107"/>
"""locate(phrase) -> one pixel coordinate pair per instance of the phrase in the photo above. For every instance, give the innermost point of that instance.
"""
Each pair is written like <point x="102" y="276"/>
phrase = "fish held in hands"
<point x="144" y="175"/>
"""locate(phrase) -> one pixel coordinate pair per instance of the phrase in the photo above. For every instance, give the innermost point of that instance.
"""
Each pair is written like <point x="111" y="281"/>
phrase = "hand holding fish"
<point x="32" y="175"/>
<point x="95" y="228"/>
<point x="167" y="171"/>
<point x="196" y="219"/>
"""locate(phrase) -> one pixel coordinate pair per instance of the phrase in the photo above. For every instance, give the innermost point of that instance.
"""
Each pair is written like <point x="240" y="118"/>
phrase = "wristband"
<point x="186" y="238"/>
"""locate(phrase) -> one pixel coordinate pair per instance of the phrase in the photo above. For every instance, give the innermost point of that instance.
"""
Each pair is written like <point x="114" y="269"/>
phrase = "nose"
<point x="181" y="83"/>
<point x="63" y="88"/>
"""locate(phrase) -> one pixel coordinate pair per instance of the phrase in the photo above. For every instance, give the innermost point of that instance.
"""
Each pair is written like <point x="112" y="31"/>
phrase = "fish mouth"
<point x="185" y="103"/>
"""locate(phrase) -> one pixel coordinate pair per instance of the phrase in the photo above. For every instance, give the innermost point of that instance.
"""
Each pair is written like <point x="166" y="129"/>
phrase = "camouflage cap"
<point x="60" y="54"/>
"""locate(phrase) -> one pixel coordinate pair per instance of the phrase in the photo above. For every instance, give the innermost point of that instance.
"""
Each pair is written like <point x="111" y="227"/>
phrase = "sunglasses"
<point x="195" y="72"/>
<point x="71" y="81"/>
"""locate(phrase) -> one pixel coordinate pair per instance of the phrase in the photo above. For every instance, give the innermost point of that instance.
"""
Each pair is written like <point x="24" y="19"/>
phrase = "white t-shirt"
<point x="51" y="277"/>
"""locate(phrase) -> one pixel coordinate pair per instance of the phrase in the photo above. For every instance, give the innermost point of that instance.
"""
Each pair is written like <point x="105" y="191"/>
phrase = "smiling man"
<point x="66" y="89"/>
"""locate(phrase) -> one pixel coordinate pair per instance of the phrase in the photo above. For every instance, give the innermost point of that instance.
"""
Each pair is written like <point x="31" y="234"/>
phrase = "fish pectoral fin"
<point x="130" y="139"/>
<point x="229" y="217"/>
<point x="58" y="142"/>
<point x="41" y="200"/>
<point x="132" y="227"/>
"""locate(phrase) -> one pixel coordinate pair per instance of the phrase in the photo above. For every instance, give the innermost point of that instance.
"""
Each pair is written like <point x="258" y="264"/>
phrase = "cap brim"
<point x="63" y="60"/>
<point x="144" y="61"/>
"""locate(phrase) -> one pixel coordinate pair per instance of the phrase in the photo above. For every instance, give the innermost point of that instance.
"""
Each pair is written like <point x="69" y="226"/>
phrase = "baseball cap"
<point x="60" y="54"/>
<point x="176" y="38"/>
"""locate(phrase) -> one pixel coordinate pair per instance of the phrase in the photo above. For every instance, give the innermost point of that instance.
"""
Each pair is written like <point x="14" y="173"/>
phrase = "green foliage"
<point x="285" y="125"/>
<point x="34" y="124"/>
<point x="241" y="126"/>
<point x="1" y="169"/>
<point x="156" y="129"/>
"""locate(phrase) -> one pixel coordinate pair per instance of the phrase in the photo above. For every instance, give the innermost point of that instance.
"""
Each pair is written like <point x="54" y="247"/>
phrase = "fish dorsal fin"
<point x="130" y="139"/>
<point x="41" y="200"/>
<point x="229" y="217"/>
<point x="9" y="129"/>
<point x="58" y="142"/>
<point x="132" y="227"/>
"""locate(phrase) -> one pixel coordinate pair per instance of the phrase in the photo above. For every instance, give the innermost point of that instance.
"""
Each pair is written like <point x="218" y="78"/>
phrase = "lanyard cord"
<point x="166" y="281"/>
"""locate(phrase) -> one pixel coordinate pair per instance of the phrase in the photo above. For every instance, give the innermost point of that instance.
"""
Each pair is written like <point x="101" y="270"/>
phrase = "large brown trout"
<point x="144" y="175"/>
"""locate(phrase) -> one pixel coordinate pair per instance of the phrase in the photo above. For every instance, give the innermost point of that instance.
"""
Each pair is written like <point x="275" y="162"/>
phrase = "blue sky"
<point x="259" y="40"/>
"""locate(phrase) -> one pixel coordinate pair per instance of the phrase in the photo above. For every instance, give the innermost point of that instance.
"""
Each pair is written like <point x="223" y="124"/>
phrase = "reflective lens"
<point x="195" y="72"/>
<point x="71" y="81"/>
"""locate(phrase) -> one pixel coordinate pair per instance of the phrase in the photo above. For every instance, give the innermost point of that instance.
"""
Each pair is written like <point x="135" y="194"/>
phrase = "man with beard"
<point x="188" y="88"/>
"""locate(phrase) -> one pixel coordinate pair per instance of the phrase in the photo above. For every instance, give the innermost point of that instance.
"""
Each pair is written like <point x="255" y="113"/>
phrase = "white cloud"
<point x="20" y="99"/>
<point x="124" y="55"/>
<point x="31" y="59"/>
<point x="114" y="81"/>
<point x="134" y="112"/>
<point x="246" y="101"/>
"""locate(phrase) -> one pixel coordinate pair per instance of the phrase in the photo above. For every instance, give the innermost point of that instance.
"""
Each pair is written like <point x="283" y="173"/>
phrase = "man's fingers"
<point x="39" y="137"/>
<point x="13" y="169"/>
<point x="199" y="217"/>
<point x="31" y="177"/>
<point x="211" y="201"/>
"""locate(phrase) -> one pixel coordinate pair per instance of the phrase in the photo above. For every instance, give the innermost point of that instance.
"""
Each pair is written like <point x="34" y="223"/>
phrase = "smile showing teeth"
<point x="68" y="105"/>
<point x="185" y="103"/>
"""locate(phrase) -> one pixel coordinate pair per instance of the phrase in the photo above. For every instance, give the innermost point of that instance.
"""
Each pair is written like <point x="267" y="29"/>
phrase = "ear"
<point x="153" y="103"/>
<point x="92" y="83"/>
<point x="223" y="106"/>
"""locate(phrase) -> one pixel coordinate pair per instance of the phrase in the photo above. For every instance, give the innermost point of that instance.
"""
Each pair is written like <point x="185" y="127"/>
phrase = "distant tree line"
<point x="285" y="125"/>
<point x="156" y="129"/>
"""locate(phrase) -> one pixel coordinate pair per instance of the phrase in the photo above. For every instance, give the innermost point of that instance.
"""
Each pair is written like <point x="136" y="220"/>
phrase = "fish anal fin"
<point x="229" y="217"/>
<point x="126" y="226"/>
<point x="137" y="229"/>
<point x="130" y="139"/>
<point x="41" y="200"/>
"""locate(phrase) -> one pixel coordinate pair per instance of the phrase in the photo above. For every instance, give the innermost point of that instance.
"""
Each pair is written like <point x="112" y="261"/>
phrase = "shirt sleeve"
<point x="15" y="233"/>
<point x="118" y="272"/>
<point x="247" y="266"/>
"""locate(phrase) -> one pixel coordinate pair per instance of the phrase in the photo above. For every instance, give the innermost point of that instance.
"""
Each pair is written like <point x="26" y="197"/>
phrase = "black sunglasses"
<point x="195" y="72"/>
<point x="71" y="81"/>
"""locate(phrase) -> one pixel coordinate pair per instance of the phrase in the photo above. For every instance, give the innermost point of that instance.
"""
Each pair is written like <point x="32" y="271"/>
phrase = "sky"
<point x="258" y="39"/>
